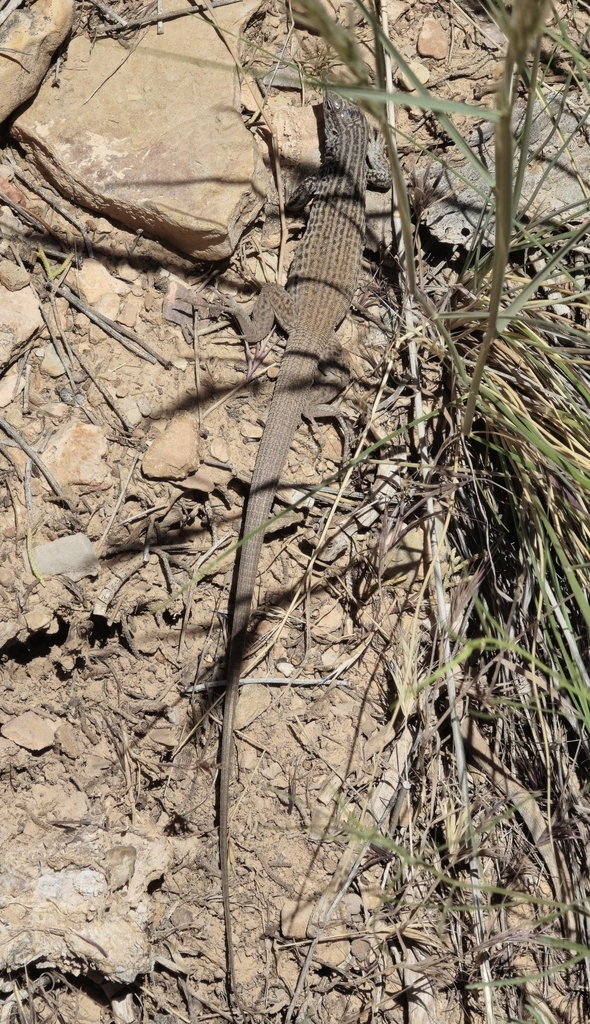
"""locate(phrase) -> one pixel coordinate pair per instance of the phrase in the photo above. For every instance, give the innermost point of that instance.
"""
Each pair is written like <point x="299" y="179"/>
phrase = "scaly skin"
<point x="321" y="285"/>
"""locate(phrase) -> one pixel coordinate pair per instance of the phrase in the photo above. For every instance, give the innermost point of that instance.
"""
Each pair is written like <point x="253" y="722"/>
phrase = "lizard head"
<point x="341" y="117"/>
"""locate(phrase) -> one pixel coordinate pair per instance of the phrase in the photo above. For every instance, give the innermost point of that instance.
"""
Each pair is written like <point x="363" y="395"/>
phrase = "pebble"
<point x="199" y="481"/>
<point x="433" y="40"/>
<point x="30" y="731"/>
<point x="421" y="72"/>
<point x="75" y="455"/>
<point x="6" y="577"/>
<point x="7" y="385"/>
<point x="68" y="738"/>
<point x="144" y="406"/>
<point x="108" y="305"/>
<point x="295" y="915"/>
<point x="12" y="276"/>
<point x="130" y="312"/>
<point x="72" y="556"/>
<point x="52" y="364"/>
<point x="252" y="702"/>
<point x="220" y="450"/>
<point x="19" y="318"/>
<point x="94" y="281"/>
<point x="252" y="431"/>
<point x="175" y="453"/>
<point x="39" y="617"/>
<point x="127" y="272"/>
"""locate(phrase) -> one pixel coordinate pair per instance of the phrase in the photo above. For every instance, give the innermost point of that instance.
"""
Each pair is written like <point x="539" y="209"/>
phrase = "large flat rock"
<point x="152" y="135"/>
<point x="28" y="40"/>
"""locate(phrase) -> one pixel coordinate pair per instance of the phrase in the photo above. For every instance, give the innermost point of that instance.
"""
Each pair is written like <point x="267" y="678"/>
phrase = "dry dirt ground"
<point x="109" y="836"/>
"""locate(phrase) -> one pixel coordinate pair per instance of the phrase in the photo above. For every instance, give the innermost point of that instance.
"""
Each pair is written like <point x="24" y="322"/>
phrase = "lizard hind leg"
<point x="332" y="377"/>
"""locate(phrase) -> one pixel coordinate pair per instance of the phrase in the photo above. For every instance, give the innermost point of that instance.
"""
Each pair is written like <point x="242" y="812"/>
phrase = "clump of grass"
<point x="514" y="663"/>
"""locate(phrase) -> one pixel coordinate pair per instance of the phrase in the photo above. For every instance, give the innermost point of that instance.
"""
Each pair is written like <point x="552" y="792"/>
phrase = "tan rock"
<point x="421" y="72"/>
<point x="12" y="276"/>
<point x="130" y="312"/>
<point x="75" y="455"/>
<point x="253" y="702"/>
<point x="35" y="32"/>
<point x="295" y="916"/>
<point x="19" y="319"/>
<point x="30" y="731"/>
<point x="39" y="617"/>
<point x="175" y="453"/>
<point x="109" y="306"/>
<point x="220" y="449"/>
<point x="433" y="40"/>
<point x="7" y="386"/>
<point x="155" y="140"/>
<point x="52" y="364"/>
<point x="199" y="481"/>
<point x="94" y="281"/>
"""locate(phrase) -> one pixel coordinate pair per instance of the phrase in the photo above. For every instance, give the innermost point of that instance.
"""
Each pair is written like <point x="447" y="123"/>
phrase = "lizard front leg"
<point x="273" y="304"/>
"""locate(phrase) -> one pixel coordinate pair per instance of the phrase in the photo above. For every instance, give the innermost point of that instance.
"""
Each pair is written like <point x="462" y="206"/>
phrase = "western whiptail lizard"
<point x="321" y="284"/>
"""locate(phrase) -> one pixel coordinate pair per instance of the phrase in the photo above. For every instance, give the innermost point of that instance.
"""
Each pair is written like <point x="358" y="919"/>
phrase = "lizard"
<point x="320" y="287"/>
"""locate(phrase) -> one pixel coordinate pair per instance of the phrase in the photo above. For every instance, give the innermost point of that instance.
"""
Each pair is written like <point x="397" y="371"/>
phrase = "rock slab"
<point x="29" y="38"/>
<point x="152" y="136"/>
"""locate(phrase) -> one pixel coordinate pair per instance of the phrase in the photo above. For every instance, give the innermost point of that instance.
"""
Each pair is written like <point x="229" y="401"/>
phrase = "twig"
<point x="266" y="681"/>
<point x="10" y="7"/>
<point x="118" y="504"/>
<point x="34" y="221"/>
<point x="49" y="199"/>
<point x="117" y="331"/>
<point x="8" y="429"/>
<point x="109" y="13"/>
<point x="104" y="392"/>
<point x="154" y="19"/>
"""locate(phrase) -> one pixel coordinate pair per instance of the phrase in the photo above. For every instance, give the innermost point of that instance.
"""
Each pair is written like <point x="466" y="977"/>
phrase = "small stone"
<point x="252" y="702"/>
<point x="39" y="617"/>
<point x="12" y="276"/>
<point x="6" y="576"/>
<point x="199" y="481"/>
<point x="30" y="731"/>
<point x="132" y="411"/>
<point x="144" y="407"/>
<point x="75" y="455"/>
<point x="253" y="431"/>
<point x="395" y="9"/>
<point x="220" y="450"/>
<point x="8" y="631"/>
<point x="175" y="453"/>
<point x="52" y="364"/>
<point x="295" y="916"/>
<point x="72" y="556"/>
<point x="285" y="668"/>
<point x="103" y="226"/>
<point x="127" y="273"/>
<point x="35" y="33"/>
<point x="94" y="281"/>
<point x="19" y="318"/>
<point x="180" y="364"/>
<point x="120" y="865"/>
<point x="68" y="739"/>
<point x="130" y="312"/>
<point x="421" y="72"/>
<point x="433" y="40"/>
<point x="108" y="305"/>
<point x="81" y="322"/>
<point x="7" y="386"/>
